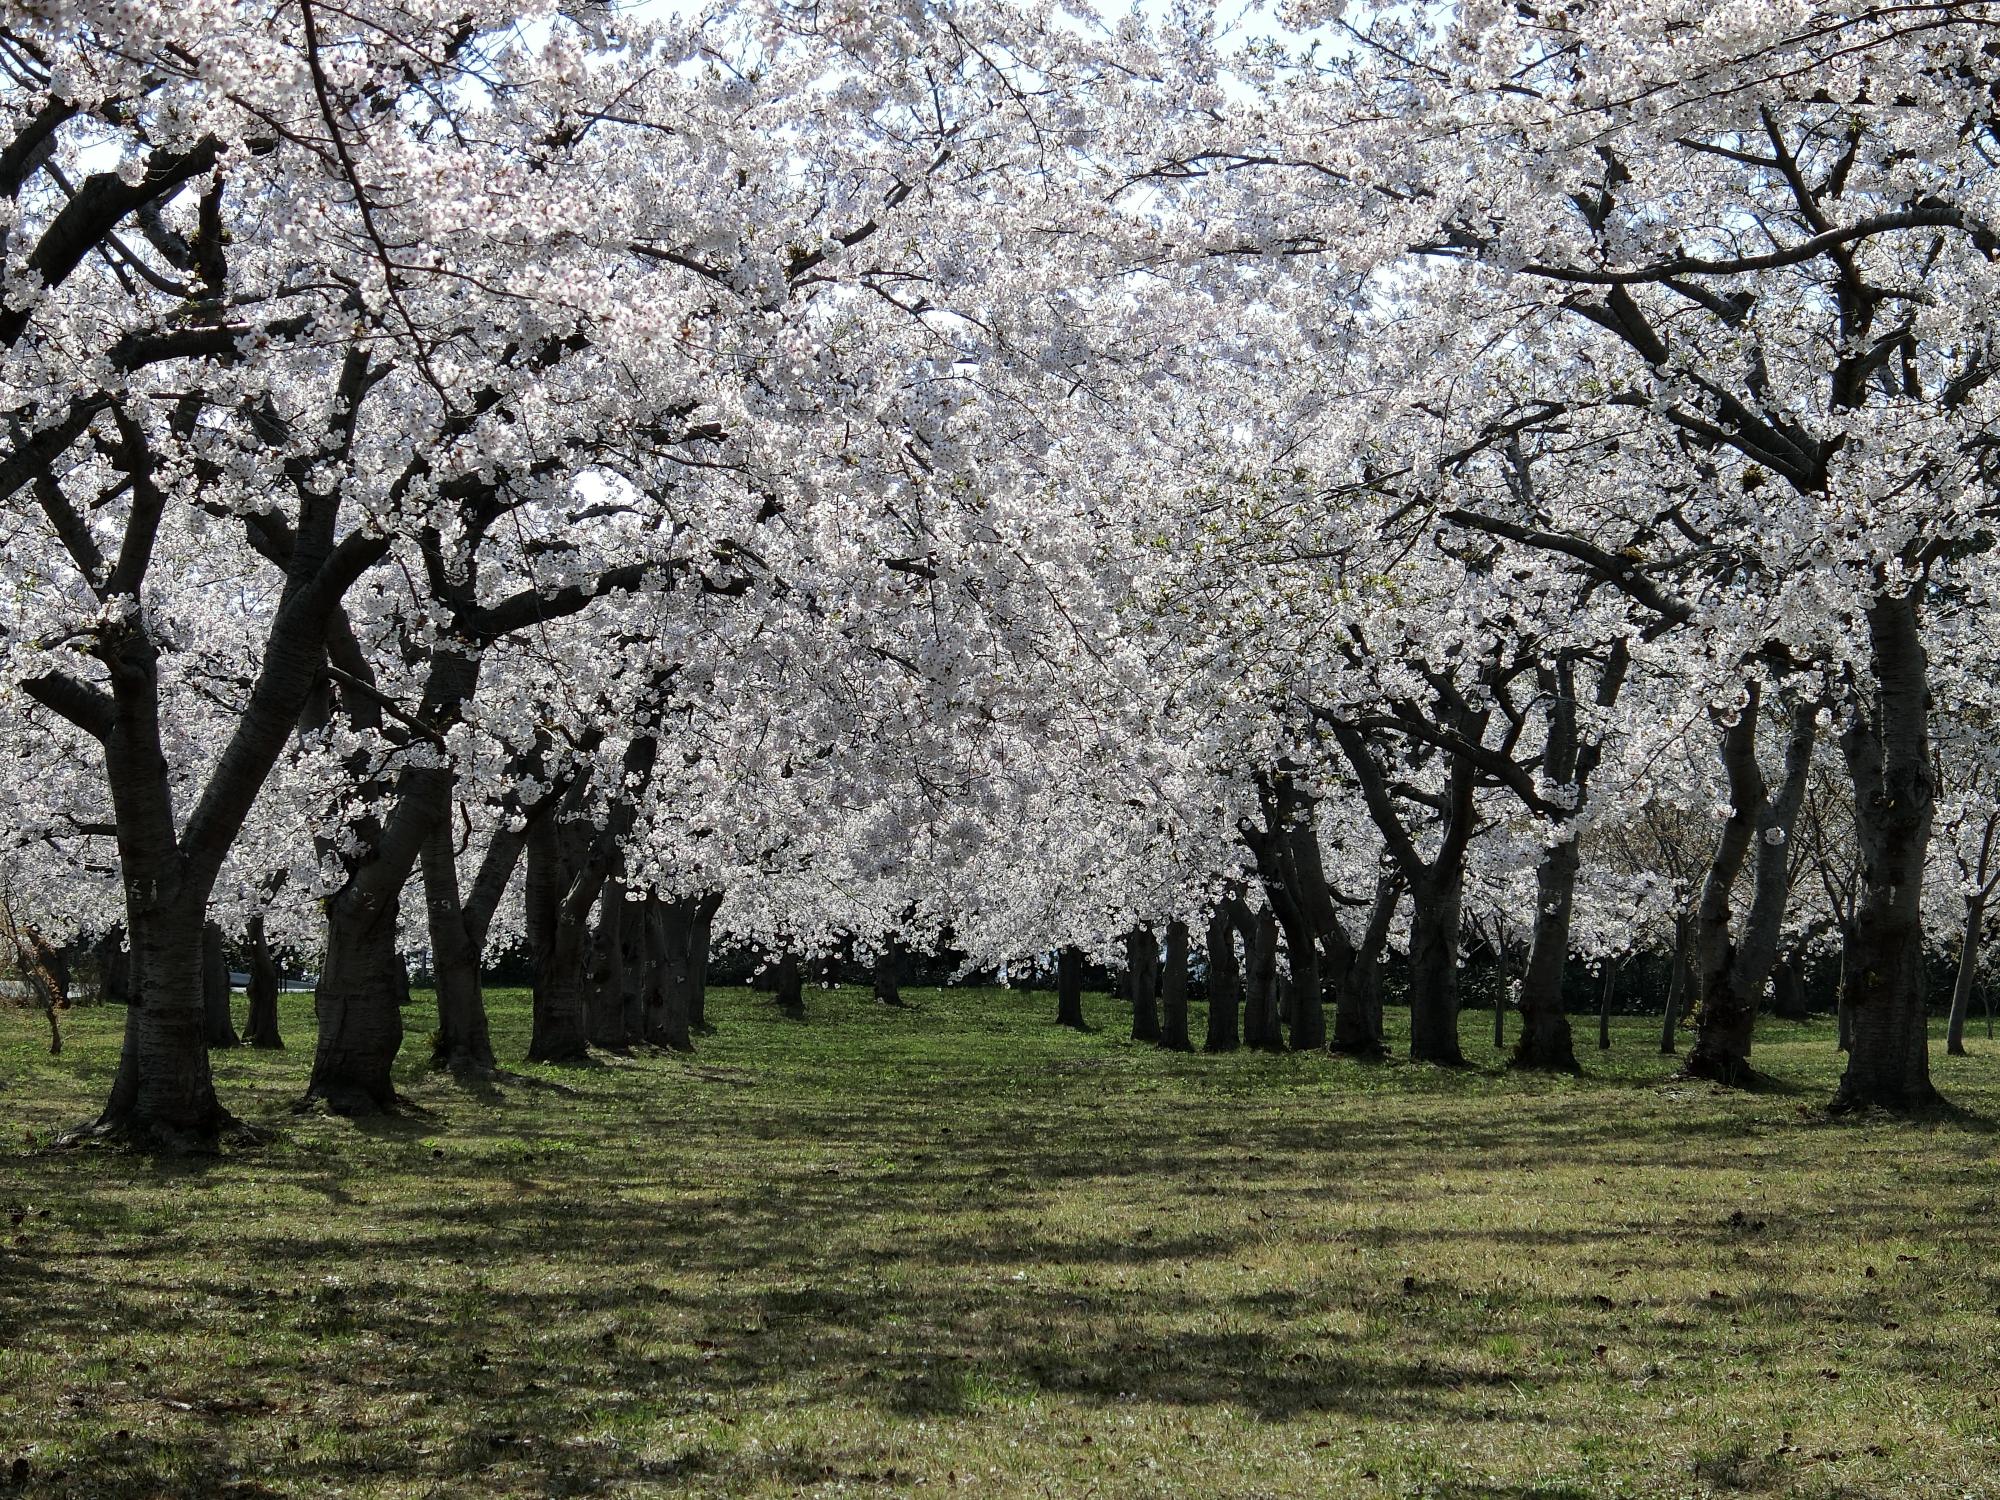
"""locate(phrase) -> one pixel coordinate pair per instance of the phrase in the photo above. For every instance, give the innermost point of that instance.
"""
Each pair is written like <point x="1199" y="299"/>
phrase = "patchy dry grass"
<point x="955" y="1249"/>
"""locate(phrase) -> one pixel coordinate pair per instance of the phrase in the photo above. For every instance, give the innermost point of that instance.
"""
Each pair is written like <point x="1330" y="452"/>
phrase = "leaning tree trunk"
<point x="1069" y="989"/>
<point x="699" y="938"/>
<point x="1260" y="983"/>
<point x="1966" y="977"/>
<point x="1174" y="990"/>
<point x="218" y="1025"/>
<point x="1225" y="983"/>
<point x="1887" y="749"/>
<point x="1142" y="977"/>
<point x="1545" y="1043"/>
<point x="1434" y="923"/>
<point x="1677" y="987"/>
<point x="262" y="1027"/>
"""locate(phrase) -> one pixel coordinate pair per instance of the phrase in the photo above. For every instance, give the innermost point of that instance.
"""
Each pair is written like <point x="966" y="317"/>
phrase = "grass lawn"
<point x="956" y="1250"/>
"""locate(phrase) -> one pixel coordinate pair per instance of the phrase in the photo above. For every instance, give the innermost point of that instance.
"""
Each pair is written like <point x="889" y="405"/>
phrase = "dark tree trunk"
<point x="1610" y="990"/>
<point x="889" y="971"/>
<point x="262" y="1026"/>
<point x="114" y="985"/>
<point x="360" y="1021"/>
<point x="1966" y="977"/>
<point x="218" y="1025"/>
<point x="1069" y="989"/>
<point x="1225" y="982"/>
<point x="1788" y="988"/>
<point x="1434" y="924"/>
<point x="1260" y="982"/>
<point x="557" y="942"/>
<point x="463" y="1042"/>
<point x="605" y="1025"/>
<point x="669" y="928"/>
<point x="1731" y="970"/>
<point x="1569" y="757"/>
<point x="699" y="937"/>
<point x="1886" y="745"/>
<point x="1366" y="979"/>
<point x="788" y="984"/>
<point x="1545" y="1043"/>
<point x="1174" y="990"/>
<point x="1677" y="987"/>
<point x="1142" y="983"/>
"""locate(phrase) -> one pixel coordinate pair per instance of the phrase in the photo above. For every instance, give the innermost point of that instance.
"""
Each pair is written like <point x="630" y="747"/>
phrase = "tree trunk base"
<point x="127" y="1130"/>
<point x="350" y="1101"/>
<point x="1231" y="1045"/>
<point x="1728" y="1070"/>
<point x="568" y="1056"/>
<point x="1528" y="1059"/>
<point x="1438" y="1056"/>
<point x="1368" y="1051"/>
<point x="1924" y="1100"/>
<point x="464" y="1062"/>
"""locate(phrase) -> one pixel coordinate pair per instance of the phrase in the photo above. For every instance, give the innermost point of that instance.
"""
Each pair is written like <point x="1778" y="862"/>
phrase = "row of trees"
<point x="1312" y="492"/>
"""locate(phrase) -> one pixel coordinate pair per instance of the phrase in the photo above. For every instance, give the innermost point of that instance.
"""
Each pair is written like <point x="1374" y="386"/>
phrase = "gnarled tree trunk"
<point x="1260" y="981"/>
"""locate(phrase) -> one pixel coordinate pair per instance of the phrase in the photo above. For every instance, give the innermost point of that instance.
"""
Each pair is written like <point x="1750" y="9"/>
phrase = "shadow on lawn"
<point x="521" y="1308"/>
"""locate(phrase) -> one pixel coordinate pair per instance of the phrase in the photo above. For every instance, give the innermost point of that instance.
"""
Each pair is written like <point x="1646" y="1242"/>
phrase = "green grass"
<point x="955" y="1250"/>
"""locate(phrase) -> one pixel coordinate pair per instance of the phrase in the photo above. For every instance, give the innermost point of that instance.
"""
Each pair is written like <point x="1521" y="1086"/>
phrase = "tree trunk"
<point x="464" y="1042"/>
<point x="114" y="986"/>
<point x="262" y="1026"/>
<point x="1732" y="970"/>
<point x="1967" y="976"/>
<point x="605" y="1025"/>
<point x="1887" y="749"/>
<point x="1788" y="988"/>
<point x="1142" y="981"/>
<point x="1611" y="971"/>
<point x="1260" y="982"/>
<point x="1174" y="990"/>
<point x="1434" y="924"/>
<point x="699" y="937"/>
<point x="1069" y="989"/>
<point x="788" y="984"/>
<point x="1677" y="988"/>
<point x="1225" y="983"/>
<point x="218" y="1025"/>
<point x="557" y="942"/>
<point x="360" y="1021"/>
<point x="888" y="971"/>
<point x="1545" y="1043"/>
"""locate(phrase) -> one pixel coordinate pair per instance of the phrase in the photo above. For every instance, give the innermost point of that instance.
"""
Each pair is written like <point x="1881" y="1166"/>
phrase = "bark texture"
<point x="1886" y="745"/>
